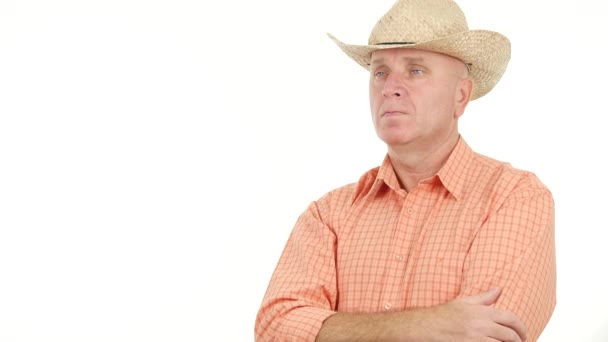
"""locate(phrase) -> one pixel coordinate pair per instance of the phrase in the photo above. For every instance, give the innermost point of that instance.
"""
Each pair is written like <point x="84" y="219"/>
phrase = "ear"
<point x="464" y="91"/>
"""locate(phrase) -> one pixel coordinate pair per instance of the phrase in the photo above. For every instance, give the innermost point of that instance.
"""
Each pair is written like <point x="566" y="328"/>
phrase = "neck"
<point x="413" y="165"/>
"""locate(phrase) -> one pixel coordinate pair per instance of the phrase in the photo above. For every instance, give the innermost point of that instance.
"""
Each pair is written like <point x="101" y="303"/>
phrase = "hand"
<point x="469" y="319"/>
<point x="464" y="319"/>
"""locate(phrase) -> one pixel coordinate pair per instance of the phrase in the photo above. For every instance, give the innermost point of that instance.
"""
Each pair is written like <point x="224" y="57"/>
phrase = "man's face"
<point x="417" y="96"/>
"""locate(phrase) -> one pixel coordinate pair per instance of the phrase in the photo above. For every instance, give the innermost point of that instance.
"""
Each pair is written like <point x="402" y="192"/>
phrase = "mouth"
<point x="393" y="113"/>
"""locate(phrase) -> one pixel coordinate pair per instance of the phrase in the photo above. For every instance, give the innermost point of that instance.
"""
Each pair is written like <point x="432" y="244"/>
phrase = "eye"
<point x="417" y="72"/>
<point x="379" y="74"/>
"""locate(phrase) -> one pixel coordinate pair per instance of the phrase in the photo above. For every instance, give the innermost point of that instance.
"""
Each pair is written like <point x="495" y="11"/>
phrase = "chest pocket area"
<point x="436" y="271"/>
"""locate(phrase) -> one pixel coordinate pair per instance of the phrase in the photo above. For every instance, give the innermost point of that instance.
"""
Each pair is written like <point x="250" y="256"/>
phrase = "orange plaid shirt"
<point x="372" y="247"/>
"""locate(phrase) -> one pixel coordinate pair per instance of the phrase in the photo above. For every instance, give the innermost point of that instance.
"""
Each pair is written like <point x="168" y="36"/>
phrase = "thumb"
<point x="483" y="298"/>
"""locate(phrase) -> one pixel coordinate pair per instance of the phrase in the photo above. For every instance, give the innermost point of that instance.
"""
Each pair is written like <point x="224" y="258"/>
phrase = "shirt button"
<point x="410" y="211"/>
<point x="388" y="306"/>
<point x="398" y="257"/>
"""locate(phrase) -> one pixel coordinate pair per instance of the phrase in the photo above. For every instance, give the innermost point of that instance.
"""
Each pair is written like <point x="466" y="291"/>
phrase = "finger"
<point x="483" y="298"/>
<point x="510" y="321"/>
<point x="505" y="334"/>
<point x="491" y="339"/>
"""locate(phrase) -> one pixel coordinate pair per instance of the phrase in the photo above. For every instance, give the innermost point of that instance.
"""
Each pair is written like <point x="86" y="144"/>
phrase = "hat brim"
<point x="486" y="52"/>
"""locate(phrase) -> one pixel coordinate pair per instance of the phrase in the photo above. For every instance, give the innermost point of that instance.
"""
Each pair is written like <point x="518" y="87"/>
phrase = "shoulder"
<point x="337" y="202"/>
<point x="503" y="172"/>
<point x="502" y="182"/>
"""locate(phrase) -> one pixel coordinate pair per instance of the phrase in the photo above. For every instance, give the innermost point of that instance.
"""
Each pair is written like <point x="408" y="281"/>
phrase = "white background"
<point x="154" y="155"/>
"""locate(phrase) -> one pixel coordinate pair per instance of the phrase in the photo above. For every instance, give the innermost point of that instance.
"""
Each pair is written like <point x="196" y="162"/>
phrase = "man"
<point x="439" y="243"/>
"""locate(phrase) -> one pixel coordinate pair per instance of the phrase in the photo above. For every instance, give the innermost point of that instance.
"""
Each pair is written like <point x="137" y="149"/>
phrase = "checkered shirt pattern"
<point x="372" y="247"/>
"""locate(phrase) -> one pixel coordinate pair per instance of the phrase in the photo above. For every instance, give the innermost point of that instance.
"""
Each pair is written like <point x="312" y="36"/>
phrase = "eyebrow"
<point x="410" y="60"/>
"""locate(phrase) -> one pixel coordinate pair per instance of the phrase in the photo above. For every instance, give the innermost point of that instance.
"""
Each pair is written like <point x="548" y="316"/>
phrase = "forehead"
<point x="384" y="55"/>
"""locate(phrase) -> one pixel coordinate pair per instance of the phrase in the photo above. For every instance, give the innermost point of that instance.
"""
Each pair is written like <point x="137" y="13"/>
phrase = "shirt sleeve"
<point x="515" y="250"/>
<point x="302" y="291"/>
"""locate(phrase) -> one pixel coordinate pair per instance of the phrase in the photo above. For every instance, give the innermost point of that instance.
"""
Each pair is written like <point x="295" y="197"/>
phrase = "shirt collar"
<point x="451" y="174"/>
<point x="387" y="175"/>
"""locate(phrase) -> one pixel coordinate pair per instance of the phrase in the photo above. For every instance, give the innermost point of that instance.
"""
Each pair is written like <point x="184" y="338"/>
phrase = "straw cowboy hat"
<point x="439" y="26"/>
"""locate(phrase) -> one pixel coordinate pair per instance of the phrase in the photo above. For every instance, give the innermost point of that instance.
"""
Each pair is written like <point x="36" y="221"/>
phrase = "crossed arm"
<point x="469" y="318"/>
<point x="516" y="310"/>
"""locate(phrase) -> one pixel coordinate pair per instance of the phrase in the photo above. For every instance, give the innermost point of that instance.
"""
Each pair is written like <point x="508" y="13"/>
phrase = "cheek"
<point x="375" y="92"/>
<point x="375" y="102"/>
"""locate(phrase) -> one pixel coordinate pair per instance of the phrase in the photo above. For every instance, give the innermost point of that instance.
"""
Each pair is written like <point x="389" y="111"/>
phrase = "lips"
<point x="392" y="113"/>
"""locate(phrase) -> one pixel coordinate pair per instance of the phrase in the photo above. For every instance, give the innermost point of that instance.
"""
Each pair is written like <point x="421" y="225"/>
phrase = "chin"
<point x="395" y="141"/>
<point x="395" y="137"/>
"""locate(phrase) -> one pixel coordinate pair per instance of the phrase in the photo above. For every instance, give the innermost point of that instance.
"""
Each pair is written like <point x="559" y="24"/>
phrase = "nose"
<point x="394" y="86"/>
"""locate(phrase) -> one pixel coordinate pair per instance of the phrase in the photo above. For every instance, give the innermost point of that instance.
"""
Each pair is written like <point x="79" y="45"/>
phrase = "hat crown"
<point x="415" y="21"/>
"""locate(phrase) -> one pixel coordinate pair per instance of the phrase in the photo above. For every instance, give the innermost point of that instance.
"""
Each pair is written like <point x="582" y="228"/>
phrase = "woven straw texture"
<point x="439" y="26"/>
